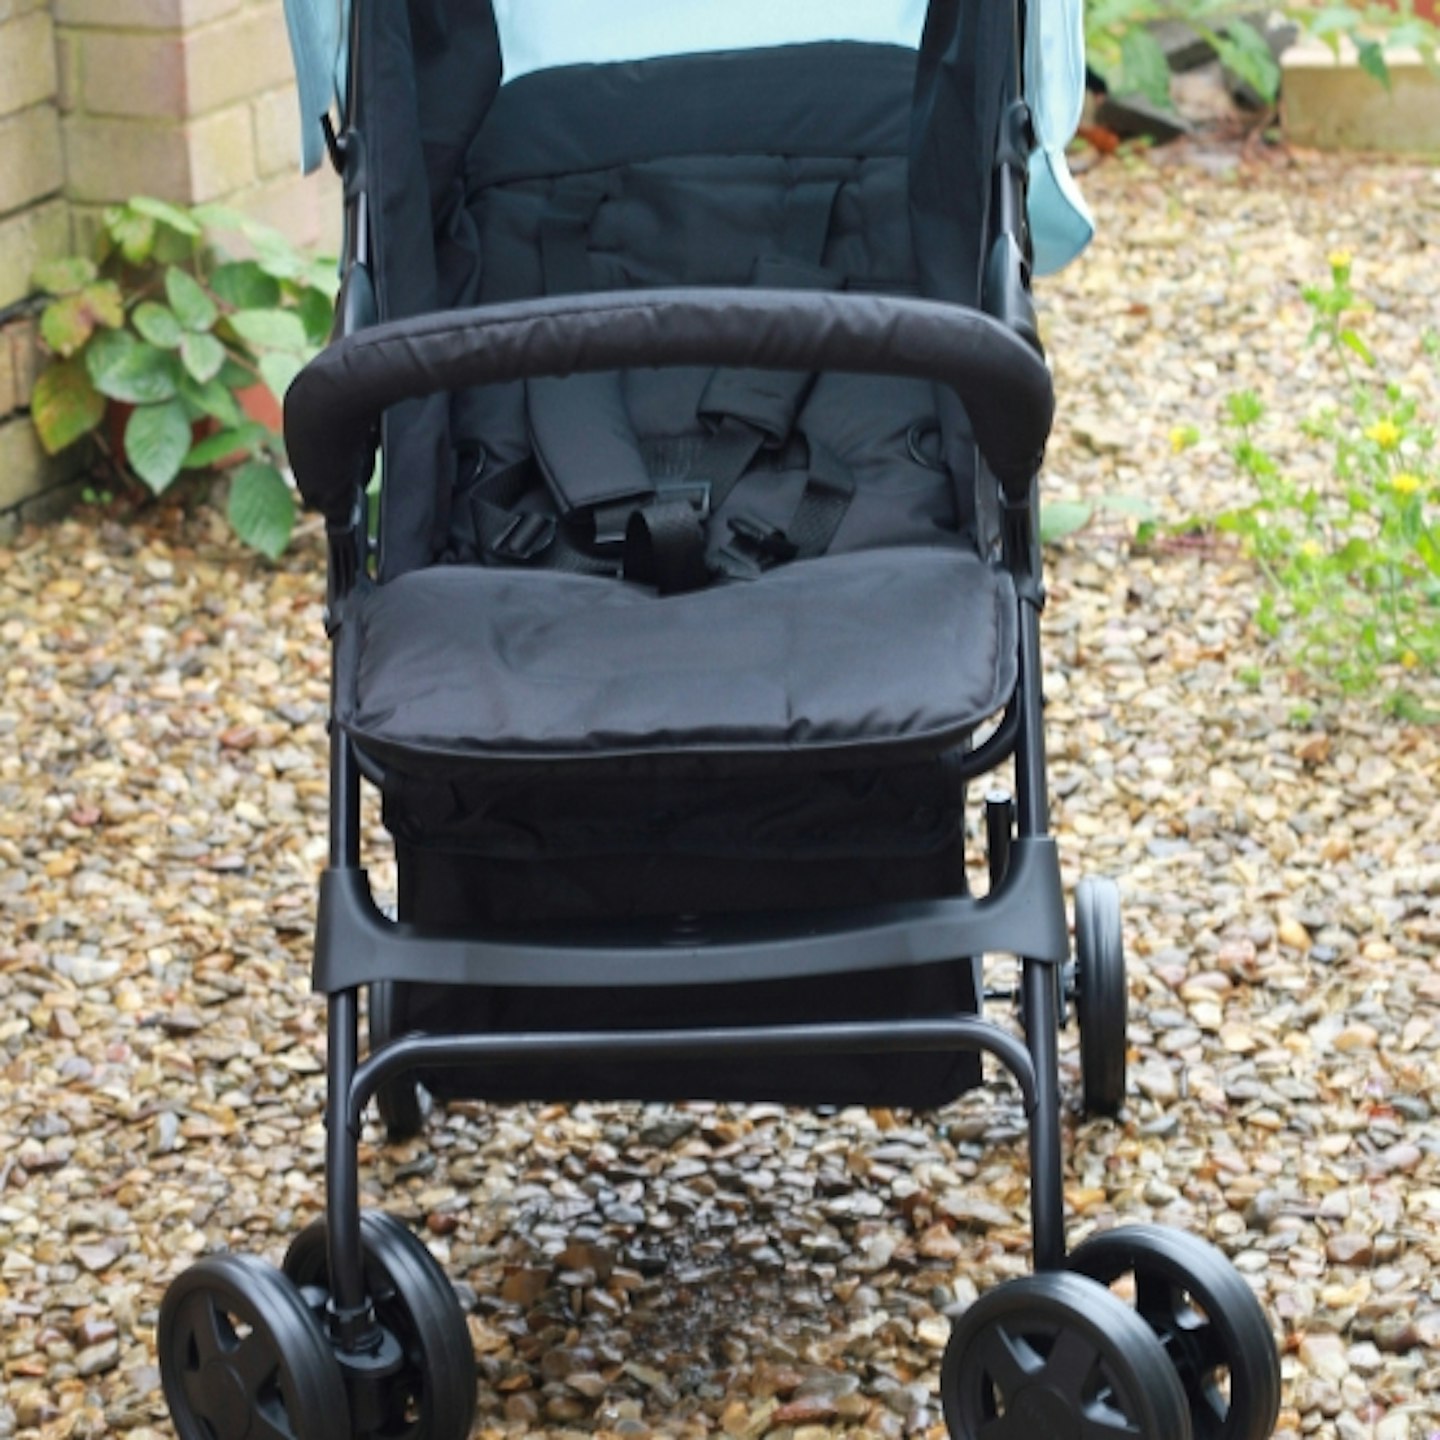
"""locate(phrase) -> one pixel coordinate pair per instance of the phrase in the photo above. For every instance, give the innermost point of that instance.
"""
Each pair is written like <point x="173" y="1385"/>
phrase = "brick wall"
<point x="188" y="100"/>
<point x="34" y="223"/>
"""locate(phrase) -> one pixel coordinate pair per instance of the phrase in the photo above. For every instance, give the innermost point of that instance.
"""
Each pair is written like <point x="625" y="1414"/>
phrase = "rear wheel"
<point x="433" y="1395"/>
<point x="1207" y="1318"/>
<point x="1101" y="995"/>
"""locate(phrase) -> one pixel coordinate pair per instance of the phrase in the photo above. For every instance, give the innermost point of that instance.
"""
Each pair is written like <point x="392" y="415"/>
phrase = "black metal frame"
<point x="1024" y="912"/>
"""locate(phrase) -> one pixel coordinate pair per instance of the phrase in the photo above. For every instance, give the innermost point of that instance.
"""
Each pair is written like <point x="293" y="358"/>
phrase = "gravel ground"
<point x="759" y="1271"/>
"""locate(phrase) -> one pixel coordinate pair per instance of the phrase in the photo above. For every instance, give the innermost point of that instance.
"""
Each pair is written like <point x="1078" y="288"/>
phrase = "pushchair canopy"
<point x="538" y="35"/>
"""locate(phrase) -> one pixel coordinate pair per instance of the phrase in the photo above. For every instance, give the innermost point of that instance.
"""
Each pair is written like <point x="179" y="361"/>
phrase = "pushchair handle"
<point x="335" y="403"/>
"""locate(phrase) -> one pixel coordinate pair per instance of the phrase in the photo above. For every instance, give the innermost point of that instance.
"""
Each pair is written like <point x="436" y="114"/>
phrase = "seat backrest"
<point x="783" y="165"/>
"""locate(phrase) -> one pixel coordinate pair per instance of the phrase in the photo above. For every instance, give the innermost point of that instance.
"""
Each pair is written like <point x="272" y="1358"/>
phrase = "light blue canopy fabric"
<point x="542" y="34"/>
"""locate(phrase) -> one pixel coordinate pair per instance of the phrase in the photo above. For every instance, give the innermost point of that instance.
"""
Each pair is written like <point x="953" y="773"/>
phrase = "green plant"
<point x="1122" y="48"/>
<point x="1351" y="561"/>
<point x="160" y="347"/>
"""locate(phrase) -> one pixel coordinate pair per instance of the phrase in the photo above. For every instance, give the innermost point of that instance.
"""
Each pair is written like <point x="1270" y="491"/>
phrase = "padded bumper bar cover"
<point x="333" y="407"/>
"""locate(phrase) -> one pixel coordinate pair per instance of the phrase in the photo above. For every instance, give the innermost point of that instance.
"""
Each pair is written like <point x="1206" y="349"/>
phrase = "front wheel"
<point x="241" y="1355"/>
<point x="1055" y="1356"/>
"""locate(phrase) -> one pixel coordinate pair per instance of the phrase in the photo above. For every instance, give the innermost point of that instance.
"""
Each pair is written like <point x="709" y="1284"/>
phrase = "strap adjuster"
<point x="765" y="543"/>
<point x="695" y="492"/>
<point x="527" y="535"/>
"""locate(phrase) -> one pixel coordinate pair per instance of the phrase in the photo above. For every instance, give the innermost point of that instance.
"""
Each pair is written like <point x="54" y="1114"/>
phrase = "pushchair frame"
<point x="990" y="356"/>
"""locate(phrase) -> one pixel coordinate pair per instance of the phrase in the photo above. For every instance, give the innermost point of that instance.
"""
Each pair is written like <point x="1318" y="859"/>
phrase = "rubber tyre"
<point x="1102" y="996"/>
<point x="1033" y="1357"/>
<point x="236" y="1339"/>
<point x="433" y="1398"/>
<point x="401" y="1102"/>
<point x="1229" y="1335"/>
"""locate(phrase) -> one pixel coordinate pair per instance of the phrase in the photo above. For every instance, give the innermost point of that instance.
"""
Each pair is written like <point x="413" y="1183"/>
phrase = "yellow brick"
<point x="9" y="9"/>
<point x="114" y="159"/>
<point x="33" y="235"/>
<point x="22" y="343"/>
<point x="135" y="75"/>
<point x="9" y="388"/>
<point x="27" y="62"/>
<point x="306" y="209"/>
<point x="222" y="153"/>
<point x="277" y="132"/>
<point x="31" y="161"/>
<point x="236" y="58"/>
<point x="67" y="70"/>
<point x="26" y="472"/>
<point x="142" y="14"/>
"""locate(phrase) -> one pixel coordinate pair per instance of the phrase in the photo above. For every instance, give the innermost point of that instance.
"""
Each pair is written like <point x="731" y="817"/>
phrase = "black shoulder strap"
<point x="580" y="426"/>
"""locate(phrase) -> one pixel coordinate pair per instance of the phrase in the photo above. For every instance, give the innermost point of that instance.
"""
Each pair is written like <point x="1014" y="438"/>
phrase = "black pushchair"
<point x="697" y="341"/>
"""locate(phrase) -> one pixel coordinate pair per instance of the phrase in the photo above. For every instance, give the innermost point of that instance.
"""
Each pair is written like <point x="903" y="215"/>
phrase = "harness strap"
<point x="755" y="546"/>
<point x="580" y="428"/>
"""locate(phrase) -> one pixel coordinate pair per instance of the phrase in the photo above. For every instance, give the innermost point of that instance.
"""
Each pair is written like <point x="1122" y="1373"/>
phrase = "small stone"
<point x="1350" y="1247"/>
<point x="95" y="1359"/>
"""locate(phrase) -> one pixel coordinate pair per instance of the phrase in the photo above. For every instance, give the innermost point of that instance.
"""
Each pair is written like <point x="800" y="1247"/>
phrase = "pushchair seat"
<point x="468" y="667"/>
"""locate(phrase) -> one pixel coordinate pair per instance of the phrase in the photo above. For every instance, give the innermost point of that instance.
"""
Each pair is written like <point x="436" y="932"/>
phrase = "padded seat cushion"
<point x="899" y="650"/>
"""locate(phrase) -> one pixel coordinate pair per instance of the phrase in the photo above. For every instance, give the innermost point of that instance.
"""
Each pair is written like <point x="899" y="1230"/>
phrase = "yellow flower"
<point x="1385" y="433"/>
<point x="1182" y="437"/>
<point x="1405" y="483"/>
<point x="1409" y="659"/>
<point x="1340" y="259"/>
<point x="1312" y="549"/>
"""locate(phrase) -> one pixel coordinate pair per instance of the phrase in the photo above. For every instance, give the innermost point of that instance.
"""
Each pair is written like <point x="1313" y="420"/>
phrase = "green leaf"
<point x="1411" y="709"/>
<point x="270" y="329"/>
<point x="132" y="232"/>
<point x="65" y="277"/>
<point x="166" y="214"/>
<point x="65" y="405"/>
<point x="195" y="309"/>
<point x="1244" y="51"/>
<point x="157" y="440"/>
<point x="245" y="286"/>
<point x="128" y="369"/>
<point x="1371" y="56"/>
<point x="1060" y="518"/>
<point x="202" y="356"/>
<point x="324" y="275"/>
<point x="1136" y="505"/>
<point x="1352" y="341"/>
<point x="277" y="256"/>
<point x="249" y="437"/>
<point x="157" y="324"/>
<point x="317" y="314"/>
<point x="279" y="371"/>
<point x="262" y="509"/>
<point x="235" y="376"/>
<point x="211" y="398"/>
<point x="221" y="217"/>
<point x="1145" y="68"/>
<point x="66" y="324"/>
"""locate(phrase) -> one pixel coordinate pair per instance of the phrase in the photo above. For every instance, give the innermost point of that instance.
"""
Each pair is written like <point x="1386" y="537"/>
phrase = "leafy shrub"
<point x="159" y="331"/>
<point x="1351" y="564"/>
<point x="1125" y="53"/>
